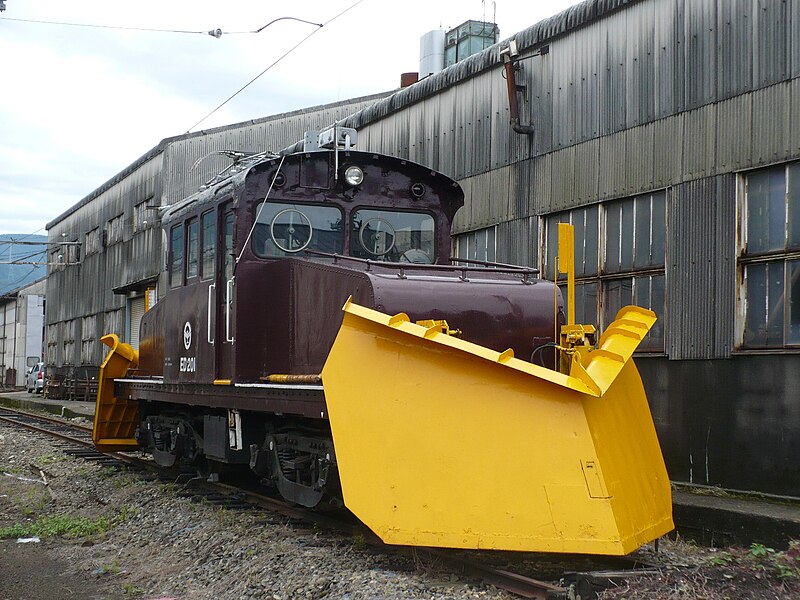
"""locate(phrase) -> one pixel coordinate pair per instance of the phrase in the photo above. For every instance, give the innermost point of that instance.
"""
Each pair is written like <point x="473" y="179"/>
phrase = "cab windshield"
<point x="393" y="236"/>
<point x="285" y="229"/>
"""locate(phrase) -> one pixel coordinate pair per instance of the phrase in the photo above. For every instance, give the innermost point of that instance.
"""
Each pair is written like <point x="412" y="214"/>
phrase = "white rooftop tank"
<point x="431" y="53"/>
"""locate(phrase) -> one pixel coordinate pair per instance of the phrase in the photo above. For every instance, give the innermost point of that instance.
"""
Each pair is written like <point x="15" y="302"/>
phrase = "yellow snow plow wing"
<point x="441" y="442"/>
<point x="115" y="419"/>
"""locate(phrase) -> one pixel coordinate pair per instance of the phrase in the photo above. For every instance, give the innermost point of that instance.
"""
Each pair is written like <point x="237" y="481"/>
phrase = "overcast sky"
<point x="78" y="104"/>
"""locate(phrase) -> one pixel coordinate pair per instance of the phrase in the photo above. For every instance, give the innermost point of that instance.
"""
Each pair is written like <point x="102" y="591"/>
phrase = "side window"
<point x="769" y="258"/>
<point x="192" y="248"/>
<point x="176" y="256"/>
<point x="209" y="235"/>
<point x="228" y="246"/>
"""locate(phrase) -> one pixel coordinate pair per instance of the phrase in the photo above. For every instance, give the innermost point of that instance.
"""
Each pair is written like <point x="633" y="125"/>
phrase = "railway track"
<point x="75" y="440"/>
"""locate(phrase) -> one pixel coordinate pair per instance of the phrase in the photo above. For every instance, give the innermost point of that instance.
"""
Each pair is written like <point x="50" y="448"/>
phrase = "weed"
<point x="224" y="517"/>
<point x="49" y="459"/>
<point x="131" y="590"/>
<point x="56" y="525"/>
<point x="113" y="568"/>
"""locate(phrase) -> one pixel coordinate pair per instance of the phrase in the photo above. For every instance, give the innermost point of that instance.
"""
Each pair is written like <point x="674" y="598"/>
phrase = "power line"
<point x="123" y="27"/>
<point x="216" y="33"/>
<point x="284" y="55"/>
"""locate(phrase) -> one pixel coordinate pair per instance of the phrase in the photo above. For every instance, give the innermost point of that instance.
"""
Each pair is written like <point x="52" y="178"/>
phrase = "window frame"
<point x="602" y="278"/>
<point x="176" y="265"/>
<point x="192" y="248"/>
<point x="781" y="257"/>
<point x="208" y="247"/>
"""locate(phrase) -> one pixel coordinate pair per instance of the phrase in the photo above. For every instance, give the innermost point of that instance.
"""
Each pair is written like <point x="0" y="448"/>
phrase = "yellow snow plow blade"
<point x="441" y="442"/>
<point x="115" y="419"/>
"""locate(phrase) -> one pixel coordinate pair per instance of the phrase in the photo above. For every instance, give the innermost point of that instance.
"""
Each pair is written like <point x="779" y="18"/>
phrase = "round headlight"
<point x="353" y="176"/>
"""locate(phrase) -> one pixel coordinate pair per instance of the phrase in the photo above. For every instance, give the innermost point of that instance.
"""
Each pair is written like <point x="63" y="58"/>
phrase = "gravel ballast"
<point x="135" y="538"/>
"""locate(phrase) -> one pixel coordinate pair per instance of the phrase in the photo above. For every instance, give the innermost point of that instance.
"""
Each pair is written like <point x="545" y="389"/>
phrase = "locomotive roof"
<point x="235" y="176"/>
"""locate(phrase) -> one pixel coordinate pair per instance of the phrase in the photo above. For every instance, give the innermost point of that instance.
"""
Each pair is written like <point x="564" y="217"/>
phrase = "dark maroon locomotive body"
<point x="258" y="267"/>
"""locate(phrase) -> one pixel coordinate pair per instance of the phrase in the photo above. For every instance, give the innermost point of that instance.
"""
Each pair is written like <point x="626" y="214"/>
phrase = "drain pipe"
<point x="509" y="55"/>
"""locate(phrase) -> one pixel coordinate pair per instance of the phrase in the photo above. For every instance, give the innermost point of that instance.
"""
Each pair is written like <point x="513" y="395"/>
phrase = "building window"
<point x="56" y="262"/>
<point x="112" y="323"/>
<point x="480" y="245"/>
<point x="114" y="230"/>
<point x="74" y="253"/>
<point x="52" y="344"/>
<point x="92" y="242"/>
<point x="620" y="258"/>
<point x="88" y="337"/>
<point x="176" y="256"/>
<point x="143" y="215"/>
<point x="769" y="258"/>
<point x="69" y="342"/>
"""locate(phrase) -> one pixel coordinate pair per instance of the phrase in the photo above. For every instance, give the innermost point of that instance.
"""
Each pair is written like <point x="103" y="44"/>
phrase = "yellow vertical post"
<point x="566" y="264"/>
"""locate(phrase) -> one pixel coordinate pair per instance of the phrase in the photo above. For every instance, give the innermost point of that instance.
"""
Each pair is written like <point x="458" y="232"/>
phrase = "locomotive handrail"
<point x="211" y="299"/>
<point x="479" y="267"/>
<point x="228" y="301"/>
<point x="486" y="263"/>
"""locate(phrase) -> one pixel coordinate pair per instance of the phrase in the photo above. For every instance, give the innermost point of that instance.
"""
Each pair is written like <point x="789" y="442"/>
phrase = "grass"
<point x="56" y="526"/>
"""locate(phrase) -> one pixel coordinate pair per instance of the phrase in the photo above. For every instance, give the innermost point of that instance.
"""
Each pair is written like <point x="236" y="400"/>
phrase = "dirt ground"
<point x="27" y="571"/>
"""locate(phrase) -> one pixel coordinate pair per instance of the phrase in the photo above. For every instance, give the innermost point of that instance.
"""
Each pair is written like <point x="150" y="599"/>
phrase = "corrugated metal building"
<point x="668" y="133"/>
<point x="101" y="279"/>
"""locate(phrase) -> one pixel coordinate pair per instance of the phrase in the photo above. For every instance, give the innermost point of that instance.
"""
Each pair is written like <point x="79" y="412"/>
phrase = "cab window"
<point x="286" y="229"/>
<point x="393" y="236"/>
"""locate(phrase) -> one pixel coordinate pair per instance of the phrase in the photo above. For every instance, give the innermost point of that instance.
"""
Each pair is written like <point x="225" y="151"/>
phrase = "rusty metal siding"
<point x="701" y="268"/>
<point x="734" y="133"/>
<point x="794" y="107"/>
<point x="700" y="47"/>
<point x="725" y="265"/>
<point x="735" y="47"/>
<point x="640" y="64"/>
<point x="699" y="142"/>
<point x="771" y="124"/>
<point x="770" y="49"/>
<point x="668" y="58"/>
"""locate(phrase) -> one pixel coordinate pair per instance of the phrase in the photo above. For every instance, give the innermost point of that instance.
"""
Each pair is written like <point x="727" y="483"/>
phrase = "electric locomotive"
<point x="248" y="360"/>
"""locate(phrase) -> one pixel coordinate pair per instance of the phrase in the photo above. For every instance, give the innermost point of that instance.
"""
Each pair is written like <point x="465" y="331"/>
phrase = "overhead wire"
<point x="279" y="59"/>
<point x="217" y="32"/>
<point x="95" y="26"/>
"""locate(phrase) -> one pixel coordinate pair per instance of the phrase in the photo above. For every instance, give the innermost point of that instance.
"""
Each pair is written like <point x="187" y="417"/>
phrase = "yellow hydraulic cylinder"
<point x="456" y="445"/>
<point x="115" y="419"/>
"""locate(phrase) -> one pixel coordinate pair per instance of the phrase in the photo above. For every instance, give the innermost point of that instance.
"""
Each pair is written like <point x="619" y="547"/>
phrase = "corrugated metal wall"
<point x="74" y="292"/>
<point x="631" y="97"/>
<point x="701" y="268"/>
